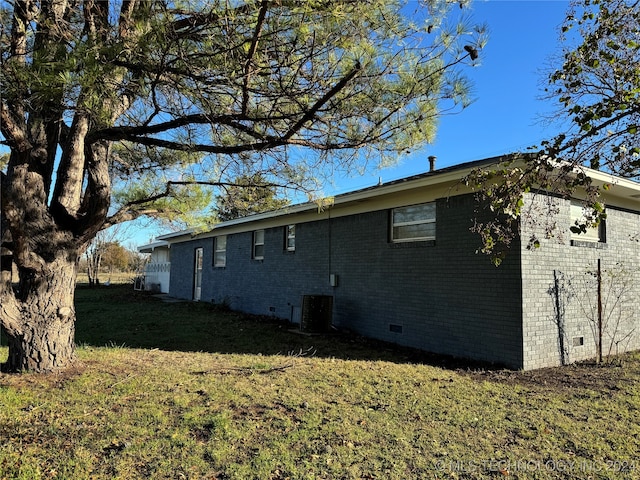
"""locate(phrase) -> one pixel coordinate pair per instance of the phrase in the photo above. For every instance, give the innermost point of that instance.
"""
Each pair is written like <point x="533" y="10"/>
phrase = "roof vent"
<point x="432" y="163"/>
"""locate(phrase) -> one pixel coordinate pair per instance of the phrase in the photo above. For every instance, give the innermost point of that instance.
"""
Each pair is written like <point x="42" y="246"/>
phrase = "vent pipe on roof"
<point x="432" y="163"/>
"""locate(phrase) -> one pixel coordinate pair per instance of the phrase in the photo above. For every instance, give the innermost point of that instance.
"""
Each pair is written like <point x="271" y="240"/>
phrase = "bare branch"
<point x="130" y="132"/>
<point x="322" y="101"/>
<point x="97" y="197"/>
<point x="252" y="50"/>
<point x="68" y="188"/>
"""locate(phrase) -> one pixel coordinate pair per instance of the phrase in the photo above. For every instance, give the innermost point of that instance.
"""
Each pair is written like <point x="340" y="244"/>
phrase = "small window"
<point x="593" y="233"/>
<point x="258" y="245"/>
<point x="220" y="251"/>
<point x="290" y="238"/>
<point x="414" y="223"/>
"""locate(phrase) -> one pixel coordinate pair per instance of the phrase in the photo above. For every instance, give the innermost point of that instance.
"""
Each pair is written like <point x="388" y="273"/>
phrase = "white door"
<point x="197" y="279"/>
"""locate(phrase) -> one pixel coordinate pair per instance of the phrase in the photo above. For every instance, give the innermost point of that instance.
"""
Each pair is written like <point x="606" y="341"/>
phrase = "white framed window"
<point x="414" y="223"/>
<point x="258" y="245"/>
<point x="580" y="232"/>
<point x="220" y="251"/>
<point x="290" y="238"/>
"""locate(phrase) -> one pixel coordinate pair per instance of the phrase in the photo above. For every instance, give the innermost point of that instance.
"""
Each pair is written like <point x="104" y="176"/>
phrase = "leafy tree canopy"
<point x="597" y="87"/>
<point x="250" y="194"/>
<point x="115" y="256"/>
<point x="188" y="93"/>
<point x="116" y="109"/>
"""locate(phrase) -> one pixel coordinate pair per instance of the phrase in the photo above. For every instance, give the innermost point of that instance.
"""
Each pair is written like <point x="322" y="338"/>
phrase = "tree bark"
<point x="44" y="338"/>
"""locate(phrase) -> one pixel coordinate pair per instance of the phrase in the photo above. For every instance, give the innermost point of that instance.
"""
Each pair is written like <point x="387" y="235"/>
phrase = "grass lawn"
<point x="184" y="391"/>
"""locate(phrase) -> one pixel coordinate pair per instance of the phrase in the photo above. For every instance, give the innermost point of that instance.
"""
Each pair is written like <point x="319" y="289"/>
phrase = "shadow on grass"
<point x="120" y="316"/>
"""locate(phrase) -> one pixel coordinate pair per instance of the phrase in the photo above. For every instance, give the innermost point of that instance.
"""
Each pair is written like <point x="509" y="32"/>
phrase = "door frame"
<point x="197" y="273"/>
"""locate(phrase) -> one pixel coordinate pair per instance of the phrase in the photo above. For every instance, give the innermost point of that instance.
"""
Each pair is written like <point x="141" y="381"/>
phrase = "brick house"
<point x="399" y="262"/>
<point x="157" y="272"/>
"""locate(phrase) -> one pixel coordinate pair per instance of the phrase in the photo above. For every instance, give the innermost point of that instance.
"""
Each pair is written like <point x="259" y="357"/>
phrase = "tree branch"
<point x="128" y="132"/>
<point x="574" y="142"/>
<point x="14" y="131"/>
<point x="252" y="50"/>
<point x="23" y="13"/>
<point x="322" y="101"/>
<point x="97" y="195"/>
<point x="125" y="22"/>
<point x="68" y="188"/>
<point x="96" y="18"/>
<point x="194" y="20"/>
<point x="9" y="312"/>
<point x="127" y="212"/>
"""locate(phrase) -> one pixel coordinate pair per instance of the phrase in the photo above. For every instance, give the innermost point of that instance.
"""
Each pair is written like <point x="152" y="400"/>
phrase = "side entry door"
<point x="197" y="276"/>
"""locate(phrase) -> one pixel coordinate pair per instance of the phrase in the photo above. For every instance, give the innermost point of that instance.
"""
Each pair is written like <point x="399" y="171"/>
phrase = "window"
<point x="258" y="245"/>
<point x="414" y="223"/>
<point x="220" y="251"/>
<point x="587" y="233"/>
<point x="290" y="238"/>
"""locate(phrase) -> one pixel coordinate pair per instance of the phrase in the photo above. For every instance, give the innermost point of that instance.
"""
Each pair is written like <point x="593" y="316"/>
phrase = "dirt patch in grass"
<point x="45" y="381"/>
<point x="603" y="378"/>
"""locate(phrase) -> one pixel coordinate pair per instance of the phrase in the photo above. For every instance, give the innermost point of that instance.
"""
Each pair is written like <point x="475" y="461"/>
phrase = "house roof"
<point x="180" y="233"/>
<point x="150" y="247"/>
<point x="437" y="183"/>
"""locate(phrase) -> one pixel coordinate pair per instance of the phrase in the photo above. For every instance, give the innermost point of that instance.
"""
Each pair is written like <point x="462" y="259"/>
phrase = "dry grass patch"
<point x="252" y="407"/>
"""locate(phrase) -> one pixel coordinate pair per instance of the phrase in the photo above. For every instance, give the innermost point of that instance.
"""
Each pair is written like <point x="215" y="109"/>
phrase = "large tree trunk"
<point x="44" y="338"/>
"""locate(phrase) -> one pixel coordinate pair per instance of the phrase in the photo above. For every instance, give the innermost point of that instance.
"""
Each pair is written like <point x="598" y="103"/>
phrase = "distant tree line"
<point x="106" y="256"/>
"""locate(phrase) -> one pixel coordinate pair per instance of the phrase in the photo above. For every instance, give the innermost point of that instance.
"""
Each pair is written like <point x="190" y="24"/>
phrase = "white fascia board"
<point x="180" y="233"/>
<point x="625" y="186"/>
<point x="150" y="247"/>
<point x="420" y="188"/>
<point x="619" y="191"/>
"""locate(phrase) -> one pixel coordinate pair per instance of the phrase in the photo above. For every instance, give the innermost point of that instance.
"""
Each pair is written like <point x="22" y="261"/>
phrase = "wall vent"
<point x="395" y="328"/>
<point x="578" y="341"/>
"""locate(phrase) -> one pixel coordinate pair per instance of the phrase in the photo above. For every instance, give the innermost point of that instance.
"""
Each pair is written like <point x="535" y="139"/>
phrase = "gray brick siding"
<point x="573" y="266"/>
<point x="443" y="296"/>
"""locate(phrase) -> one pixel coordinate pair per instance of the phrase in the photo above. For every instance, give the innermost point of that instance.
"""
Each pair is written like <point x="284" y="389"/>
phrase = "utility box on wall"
<point x="317" y="313"/>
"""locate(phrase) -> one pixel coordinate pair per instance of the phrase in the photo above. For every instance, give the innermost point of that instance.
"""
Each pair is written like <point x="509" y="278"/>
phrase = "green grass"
<point x="184" y="391"/>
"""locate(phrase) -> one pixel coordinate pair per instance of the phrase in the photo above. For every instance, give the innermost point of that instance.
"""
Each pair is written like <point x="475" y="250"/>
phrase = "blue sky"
<point x="506" y="115"/>
<point x="508" y="85"/>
